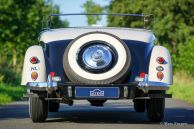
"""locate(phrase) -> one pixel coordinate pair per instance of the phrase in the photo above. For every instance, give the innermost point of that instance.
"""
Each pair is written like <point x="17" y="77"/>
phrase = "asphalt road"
<point x="114" y="115"/>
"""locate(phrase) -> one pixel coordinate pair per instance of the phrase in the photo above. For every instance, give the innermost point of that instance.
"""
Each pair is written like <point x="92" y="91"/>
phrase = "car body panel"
<point x="160" y="51"/>
<point x="139" y="41"/>
<point x="142" y="35"/>
<point x="140" y="55"/>
<point x="28" y="67"/>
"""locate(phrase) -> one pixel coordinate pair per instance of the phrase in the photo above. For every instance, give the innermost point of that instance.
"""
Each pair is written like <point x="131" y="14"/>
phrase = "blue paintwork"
<point x="140" y="54"/>
<point x="97" y="92"/>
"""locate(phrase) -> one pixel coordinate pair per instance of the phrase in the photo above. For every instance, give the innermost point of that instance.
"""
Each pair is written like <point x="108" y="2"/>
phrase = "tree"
<point x="173" y="24"/>
<point x="20" y="22"/>
<point x="173" y="19"/>
<point x="92" y="7"/>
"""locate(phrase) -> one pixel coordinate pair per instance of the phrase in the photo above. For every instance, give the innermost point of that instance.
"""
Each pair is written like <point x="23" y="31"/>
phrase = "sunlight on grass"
<point x="10" y="93"/>
<point x="4" y="98"/>
<point x="183" y="87"/>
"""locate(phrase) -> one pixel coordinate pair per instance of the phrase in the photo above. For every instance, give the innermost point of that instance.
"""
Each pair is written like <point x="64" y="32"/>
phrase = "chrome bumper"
<point x="147" y="85"/>
<point x="144" y="84"/>
<point x="43" y="85"/>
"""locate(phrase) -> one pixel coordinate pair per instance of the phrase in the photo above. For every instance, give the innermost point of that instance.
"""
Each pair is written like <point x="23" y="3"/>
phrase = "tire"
<point x="97" y="103"/>
<point x="38" y="109"/>
<point x="139" y="105"/>
<point x="114" y="73"/>
<point x="53" y="106"/>
<point x="155" y="109"/>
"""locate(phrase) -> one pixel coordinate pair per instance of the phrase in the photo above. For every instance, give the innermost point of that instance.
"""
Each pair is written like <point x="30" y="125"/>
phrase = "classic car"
<point x="97" y="64"/>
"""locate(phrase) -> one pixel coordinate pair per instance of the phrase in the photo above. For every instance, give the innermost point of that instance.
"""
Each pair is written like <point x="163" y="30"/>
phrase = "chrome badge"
<point x="96" y="92"/>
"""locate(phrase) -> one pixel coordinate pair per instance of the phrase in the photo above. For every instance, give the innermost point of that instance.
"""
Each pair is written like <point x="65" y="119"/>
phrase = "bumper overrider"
<point x="105" y="91"/>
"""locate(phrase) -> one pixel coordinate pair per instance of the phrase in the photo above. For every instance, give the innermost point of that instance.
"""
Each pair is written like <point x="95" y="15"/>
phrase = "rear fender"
<point x="28" y="67"/>
<point x="160" y="51"/>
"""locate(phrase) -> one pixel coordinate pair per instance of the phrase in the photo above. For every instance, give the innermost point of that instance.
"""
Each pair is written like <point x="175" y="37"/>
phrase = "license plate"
<point x="97" y="92"/>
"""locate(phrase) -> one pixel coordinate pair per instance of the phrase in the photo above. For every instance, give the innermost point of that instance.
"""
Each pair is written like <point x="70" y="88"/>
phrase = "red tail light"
<point x="160" y="60"/>
<point x="52" y="74"/>
<point x="142" y="74"/>
<point x="34" y="60"/>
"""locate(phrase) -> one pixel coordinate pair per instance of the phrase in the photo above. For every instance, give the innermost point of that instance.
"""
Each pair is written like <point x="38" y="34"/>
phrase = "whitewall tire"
<point x="77" y="74"/>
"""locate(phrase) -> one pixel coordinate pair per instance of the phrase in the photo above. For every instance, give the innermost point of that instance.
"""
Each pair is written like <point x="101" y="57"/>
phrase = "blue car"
<point x="97" y="64"/>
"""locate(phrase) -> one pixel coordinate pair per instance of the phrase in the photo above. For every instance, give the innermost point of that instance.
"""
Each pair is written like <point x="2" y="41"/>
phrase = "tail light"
<point x="160" y="60"/>
<point x="160" y="75"/>
<point x="55" y="78"/>
<point x="34" y="76"/>
<point x="142" y="74"/>
<point x="34" y="60"/>
<point x="52" y="74"/>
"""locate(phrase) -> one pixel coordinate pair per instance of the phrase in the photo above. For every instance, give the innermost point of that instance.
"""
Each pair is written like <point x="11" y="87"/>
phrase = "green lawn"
<point x="9" y="93"/>
<point x="183" y="87"/>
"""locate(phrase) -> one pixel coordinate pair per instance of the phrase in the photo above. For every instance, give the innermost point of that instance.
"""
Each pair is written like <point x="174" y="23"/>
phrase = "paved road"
<point x="114" y="115"/>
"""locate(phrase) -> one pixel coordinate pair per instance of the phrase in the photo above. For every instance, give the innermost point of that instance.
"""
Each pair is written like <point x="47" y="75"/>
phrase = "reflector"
<point x="34" y="76"/>
<point x="159" y="68"/>
<point x="160" y="75"/>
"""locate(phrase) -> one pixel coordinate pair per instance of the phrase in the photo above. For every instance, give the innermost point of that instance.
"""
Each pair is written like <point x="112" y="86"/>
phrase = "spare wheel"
<point x="96" y="58"/>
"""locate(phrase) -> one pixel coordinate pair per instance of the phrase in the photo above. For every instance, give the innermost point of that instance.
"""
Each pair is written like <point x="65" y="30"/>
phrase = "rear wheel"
<point x="38" y="109"/>
<point x="155" y="109"/>
<point x="139" y="105"/>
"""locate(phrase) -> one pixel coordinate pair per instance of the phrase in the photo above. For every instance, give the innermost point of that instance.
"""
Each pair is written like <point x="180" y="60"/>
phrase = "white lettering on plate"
<point x="97" y="92"/>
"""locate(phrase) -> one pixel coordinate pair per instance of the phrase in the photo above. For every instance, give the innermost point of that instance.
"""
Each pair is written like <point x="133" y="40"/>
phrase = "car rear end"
<point x="136" y="62"/>
<point x="97" y="64"/>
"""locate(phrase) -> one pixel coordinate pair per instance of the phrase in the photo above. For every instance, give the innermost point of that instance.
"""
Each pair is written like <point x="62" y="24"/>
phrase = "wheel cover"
<point x="97" y="57"/>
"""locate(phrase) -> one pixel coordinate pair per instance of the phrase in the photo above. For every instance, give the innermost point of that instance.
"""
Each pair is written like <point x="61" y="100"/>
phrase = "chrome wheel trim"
<point x="97" y="57"/>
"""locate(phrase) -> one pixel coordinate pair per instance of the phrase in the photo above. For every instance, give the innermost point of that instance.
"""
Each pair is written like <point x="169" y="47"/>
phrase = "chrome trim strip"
<point x="48" y="84"/>
<point x="42" y="84"/>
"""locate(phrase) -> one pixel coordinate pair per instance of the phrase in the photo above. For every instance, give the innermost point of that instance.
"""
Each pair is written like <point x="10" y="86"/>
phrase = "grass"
<point x="9" y="93"/>
<point x="183" y="87"/>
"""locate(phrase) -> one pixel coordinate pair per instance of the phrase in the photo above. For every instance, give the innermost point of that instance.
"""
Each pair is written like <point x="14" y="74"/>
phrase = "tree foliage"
<point x="185" y="61"/>
<point x="20" y="23"/>
<point x="173" y="25"/>
<point x="92" y="7"/>
<point x="173" y="19"/>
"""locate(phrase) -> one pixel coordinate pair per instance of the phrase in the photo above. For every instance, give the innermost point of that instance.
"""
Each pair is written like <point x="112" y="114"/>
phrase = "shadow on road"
<point x="99" y="115"/>
<point x="119" y="115"/>
<point x="179" y="115"/>
<point x="14" y="112"/>
<point x="113" y="114"/>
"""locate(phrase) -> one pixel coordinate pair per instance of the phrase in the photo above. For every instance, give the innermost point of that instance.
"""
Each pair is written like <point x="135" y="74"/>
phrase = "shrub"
<point x="185" y="58"/>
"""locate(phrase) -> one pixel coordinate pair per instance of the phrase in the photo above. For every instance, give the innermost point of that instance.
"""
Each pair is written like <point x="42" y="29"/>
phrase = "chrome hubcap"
<point x="97" y="57"/>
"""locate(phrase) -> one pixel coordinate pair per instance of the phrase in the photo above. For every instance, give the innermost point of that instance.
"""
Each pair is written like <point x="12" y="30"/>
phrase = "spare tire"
<point x="96" y="58"/>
